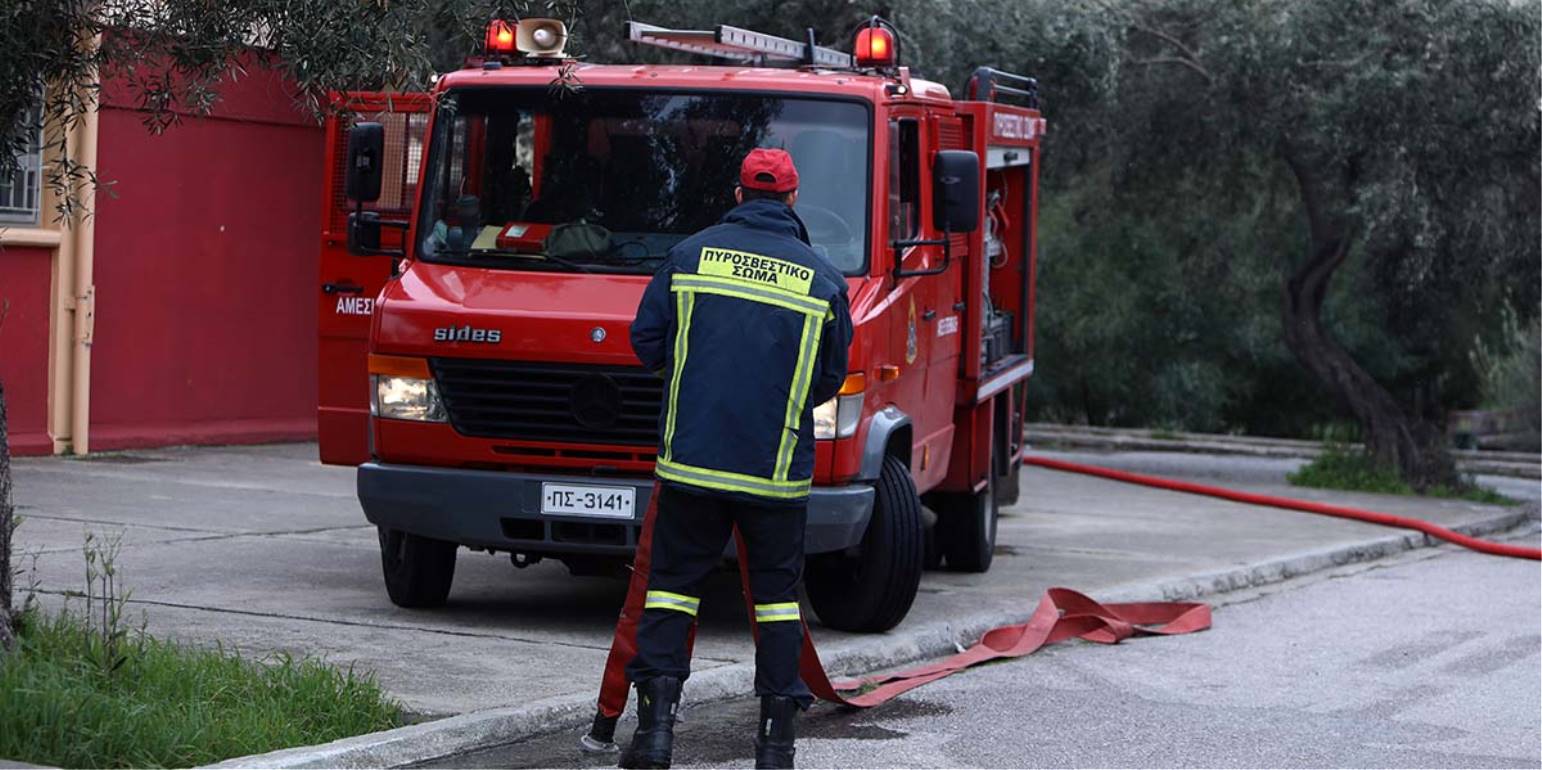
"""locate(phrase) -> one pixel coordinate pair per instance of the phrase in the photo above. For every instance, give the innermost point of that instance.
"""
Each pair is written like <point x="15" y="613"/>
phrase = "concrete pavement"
<point x="265" y="550"/>
<point x="1427" y="661"/>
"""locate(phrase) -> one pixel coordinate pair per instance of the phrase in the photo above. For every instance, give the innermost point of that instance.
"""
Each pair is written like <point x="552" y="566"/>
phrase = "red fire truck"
<point x="485" y="247"/>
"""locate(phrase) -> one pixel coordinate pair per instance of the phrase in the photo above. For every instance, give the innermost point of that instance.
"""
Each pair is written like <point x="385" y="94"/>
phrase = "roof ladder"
<point x="738" y="44"/>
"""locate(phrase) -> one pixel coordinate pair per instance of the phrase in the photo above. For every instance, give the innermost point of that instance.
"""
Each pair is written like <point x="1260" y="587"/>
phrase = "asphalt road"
<point x="262" y="550"/>
<point x="1427" y="660"/>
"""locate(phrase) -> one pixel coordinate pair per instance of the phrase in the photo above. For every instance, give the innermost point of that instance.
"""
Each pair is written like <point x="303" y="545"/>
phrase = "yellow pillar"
<point x="72" y="300"/>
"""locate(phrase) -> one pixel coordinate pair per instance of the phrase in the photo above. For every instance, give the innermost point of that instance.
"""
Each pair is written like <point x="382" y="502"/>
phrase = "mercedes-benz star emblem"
<point x="596" y="402"/>
<point x="597" y="334"/>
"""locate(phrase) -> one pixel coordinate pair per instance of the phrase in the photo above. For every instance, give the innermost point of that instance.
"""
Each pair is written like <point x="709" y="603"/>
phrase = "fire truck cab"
<point x="485" y="247"/>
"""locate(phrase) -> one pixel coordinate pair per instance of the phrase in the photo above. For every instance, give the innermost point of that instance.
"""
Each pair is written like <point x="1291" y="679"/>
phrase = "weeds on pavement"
<point x="1352" y="470"/>
<point x="84" y="688"/>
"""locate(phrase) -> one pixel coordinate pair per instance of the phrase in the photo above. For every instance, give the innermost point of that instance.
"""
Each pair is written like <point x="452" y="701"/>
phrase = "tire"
<point x="418" y="571"/>
<point x="872" y="591"/>
<point x="967" y="529"/>
<point x="931" y="550"/>
<point x="1008" y="468"/>
<point x="1009" y="487"/>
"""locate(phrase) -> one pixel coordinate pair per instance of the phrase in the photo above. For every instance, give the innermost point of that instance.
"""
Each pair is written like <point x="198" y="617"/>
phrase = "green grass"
<point x="168" y="705"/>
<point x="1353" y="471"/>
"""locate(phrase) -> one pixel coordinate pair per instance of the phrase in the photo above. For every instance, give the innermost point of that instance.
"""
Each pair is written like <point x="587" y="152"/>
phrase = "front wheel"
<point x="872" y="590"/>
<point x="418" y="570"/>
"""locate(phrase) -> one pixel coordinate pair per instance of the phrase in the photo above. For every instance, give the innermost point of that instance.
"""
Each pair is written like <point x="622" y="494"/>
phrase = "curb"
<point x="489" y="728"/>
<point x="1047" y="435"/>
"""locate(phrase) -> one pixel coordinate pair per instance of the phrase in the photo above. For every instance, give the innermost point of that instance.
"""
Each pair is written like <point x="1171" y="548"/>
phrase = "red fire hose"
<point x="1357" y="514"/>
<point x="1062" y="613"/>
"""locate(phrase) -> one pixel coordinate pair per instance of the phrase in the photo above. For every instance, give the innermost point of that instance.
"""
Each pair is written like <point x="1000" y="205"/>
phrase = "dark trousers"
<point x="689" y="535"/>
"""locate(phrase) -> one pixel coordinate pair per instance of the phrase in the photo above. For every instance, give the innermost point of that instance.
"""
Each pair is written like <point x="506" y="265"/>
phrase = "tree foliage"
<point x="1258" y="215"/>
<point x="175" y="56"/>
<point x="7" y="529"/>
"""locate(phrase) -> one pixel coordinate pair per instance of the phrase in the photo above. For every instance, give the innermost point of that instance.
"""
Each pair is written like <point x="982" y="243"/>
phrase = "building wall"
<point x="205" y="272"/>
<point x="25" y="272"/>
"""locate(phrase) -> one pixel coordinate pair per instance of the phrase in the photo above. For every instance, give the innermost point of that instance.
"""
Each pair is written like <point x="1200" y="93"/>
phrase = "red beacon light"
<point x="500" y="38"/>
<point x="875" y="47"/>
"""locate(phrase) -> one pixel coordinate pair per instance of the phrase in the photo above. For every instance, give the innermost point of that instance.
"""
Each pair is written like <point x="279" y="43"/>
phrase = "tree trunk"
<point x="1394" y="438"/>
<point x="7" y="526"/>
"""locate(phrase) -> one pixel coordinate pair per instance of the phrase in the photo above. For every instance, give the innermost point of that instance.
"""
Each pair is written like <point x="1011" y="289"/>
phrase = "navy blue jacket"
<point x="750" y="329"/>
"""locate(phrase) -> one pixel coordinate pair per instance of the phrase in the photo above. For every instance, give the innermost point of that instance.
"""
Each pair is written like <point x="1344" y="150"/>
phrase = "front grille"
<point x="550" y="402"/>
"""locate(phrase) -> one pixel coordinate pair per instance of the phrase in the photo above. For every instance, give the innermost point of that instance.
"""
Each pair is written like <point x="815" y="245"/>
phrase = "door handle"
<point x="928" y="315"/>
<point x="342" y="288"/>
<point x="960" y="306"/>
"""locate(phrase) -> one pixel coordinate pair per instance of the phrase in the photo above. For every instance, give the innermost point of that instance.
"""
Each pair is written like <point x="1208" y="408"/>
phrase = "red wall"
<point x="25" y="273"/>
<point x="206" y="272"/>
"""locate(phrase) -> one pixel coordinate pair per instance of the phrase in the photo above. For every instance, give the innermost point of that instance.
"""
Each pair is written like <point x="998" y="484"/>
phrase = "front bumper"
<point x="502" y="511"/>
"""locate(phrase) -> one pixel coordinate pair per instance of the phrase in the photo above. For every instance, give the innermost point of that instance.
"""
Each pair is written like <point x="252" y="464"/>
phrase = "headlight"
<point x="838" y="417"/>
<point x="406" y="398"/>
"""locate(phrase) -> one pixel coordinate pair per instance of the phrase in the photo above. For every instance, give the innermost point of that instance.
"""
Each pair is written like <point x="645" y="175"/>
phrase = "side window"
<point x="21" y="190"/>
<point x="904" y="179"/>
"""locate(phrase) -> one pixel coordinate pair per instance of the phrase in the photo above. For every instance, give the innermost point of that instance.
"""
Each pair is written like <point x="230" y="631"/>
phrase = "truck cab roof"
<point x="812" y="81"/>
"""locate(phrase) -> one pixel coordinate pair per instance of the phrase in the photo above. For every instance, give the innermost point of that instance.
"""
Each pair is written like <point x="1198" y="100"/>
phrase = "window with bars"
<point x="21" y="190"/>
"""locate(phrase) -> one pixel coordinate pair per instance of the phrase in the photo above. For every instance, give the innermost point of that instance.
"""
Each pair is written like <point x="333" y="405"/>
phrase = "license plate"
<point x="575" y="500"/>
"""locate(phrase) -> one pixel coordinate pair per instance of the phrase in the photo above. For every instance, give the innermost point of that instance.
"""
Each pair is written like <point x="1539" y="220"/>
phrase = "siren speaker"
<point x="540" y="37"/>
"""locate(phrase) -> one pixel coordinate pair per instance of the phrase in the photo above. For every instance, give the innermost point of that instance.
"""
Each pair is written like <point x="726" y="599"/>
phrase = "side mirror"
<point x="364" y="233"/>
<point x="366" y="149"/>
<point x="956" y="191"/>
<point x="955" y="207"/>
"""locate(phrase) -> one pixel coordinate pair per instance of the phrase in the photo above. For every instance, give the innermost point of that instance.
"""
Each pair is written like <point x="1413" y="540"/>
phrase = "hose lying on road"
<point x="1357" y="514"/>
<point x="1062" y="614"/>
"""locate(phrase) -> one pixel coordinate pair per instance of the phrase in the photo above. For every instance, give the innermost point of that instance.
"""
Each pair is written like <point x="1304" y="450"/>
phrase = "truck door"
<point x="348" y="284"/>
<point x="947" y="289"/>
<point x="925" y="301"/>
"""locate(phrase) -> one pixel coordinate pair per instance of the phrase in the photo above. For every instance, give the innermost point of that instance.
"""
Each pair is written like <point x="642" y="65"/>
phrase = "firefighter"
<point x="749" y="327"/>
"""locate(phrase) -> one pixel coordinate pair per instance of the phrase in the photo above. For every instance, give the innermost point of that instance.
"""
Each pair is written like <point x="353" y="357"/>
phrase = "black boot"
<point x="773" y="742"/>
<point x="657" y="700"/>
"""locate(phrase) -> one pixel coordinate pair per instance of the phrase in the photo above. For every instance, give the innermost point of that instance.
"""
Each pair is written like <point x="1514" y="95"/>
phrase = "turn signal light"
<point x="399" y="366"/>
<point x="855" y="383"/>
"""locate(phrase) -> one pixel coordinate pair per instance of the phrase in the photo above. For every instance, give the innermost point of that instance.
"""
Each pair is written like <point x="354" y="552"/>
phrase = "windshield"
<point x="609" y="180"/>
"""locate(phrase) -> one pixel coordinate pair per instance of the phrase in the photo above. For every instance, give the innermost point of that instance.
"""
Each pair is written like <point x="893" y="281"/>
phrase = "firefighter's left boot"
<point x="652" y="743"/>
<point x="778" y="730"/>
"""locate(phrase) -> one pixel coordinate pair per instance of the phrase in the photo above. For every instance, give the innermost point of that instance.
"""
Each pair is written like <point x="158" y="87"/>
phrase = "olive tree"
<point x="7" y="528"/>
<point x="1404" y="135"/>
<point x="175" y="56"/>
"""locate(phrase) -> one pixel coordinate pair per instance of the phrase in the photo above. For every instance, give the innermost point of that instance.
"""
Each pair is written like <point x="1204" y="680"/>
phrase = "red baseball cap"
<point x="768" y="169"/>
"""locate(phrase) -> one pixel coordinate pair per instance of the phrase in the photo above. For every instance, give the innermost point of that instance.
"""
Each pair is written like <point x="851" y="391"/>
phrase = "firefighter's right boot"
<point x="774" y="740"/>
<point x="657" y="700"/>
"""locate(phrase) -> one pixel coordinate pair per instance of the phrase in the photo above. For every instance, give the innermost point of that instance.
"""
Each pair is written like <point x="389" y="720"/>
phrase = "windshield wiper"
<point x="615" y="255"/>
<point x="507" y="253"/>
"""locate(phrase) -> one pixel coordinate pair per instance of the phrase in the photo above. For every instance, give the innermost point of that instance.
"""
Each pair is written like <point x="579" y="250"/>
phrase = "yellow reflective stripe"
<point x="771" y="613"/>
<point x="755" y="292"/>
<point x="726" y="481"/>
<point x="802" y="374"/>
<point x="683" y="305"/>
<point x="664" y="600"/>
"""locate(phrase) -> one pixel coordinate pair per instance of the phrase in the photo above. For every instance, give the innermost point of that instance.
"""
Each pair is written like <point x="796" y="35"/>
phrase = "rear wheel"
<point x="966" y="528"/>
<point x="1009" y="442"/>
<point x="873" y="589"/>
<point x="418" y="570"/>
